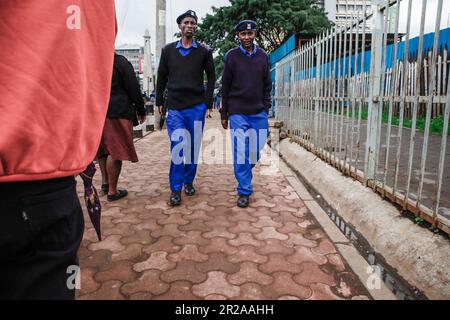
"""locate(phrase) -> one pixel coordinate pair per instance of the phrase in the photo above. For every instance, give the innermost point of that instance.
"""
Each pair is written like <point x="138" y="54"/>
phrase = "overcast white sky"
<point x="431" y="14"/>
<point x="134" y="16"/>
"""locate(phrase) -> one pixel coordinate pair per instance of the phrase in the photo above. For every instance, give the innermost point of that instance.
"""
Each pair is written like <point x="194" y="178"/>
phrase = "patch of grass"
<point x="436" y="124"/>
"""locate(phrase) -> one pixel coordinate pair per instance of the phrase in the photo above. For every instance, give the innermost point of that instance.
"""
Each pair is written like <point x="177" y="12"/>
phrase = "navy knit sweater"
<point x="183" y="77"/>
<point x="246" y="83"/>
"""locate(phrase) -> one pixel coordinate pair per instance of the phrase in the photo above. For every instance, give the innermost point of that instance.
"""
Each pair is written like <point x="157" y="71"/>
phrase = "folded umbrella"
<point x="91" y="198"/>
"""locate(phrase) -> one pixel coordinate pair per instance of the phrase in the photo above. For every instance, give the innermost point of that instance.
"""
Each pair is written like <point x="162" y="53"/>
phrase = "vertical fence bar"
<point x="405" y="90"/>
<point x="416" y="101"/>
<point x="431" y="93"/>
<point x="391" y="96"/>
<point x="442" y="155"/>
<point x="348" y="99"/>
<point x="354" y="93"/>
<point x="375" y="102"/>
<point x="317" y="92"/>
<point x="362" y="79"/>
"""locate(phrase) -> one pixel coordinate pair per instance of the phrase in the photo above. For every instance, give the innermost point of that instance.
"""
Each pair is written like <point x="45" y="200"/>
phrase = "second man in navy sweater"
<point x="181" y="70"/>
<point x="246" y="99"/>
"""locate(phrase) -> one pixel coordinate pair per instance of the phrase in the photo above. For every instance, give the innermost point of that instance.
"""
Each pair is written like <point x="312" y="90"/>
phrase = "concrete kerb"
<point x="419" y="256"/>
<point x="343" y="245"/>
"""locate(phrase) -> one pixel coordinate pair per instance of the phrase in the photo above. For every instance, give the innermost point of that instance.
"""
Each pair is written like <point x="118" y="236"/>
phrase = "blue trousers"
<point x="185" y="128"/>
<point x="248" y="136"/>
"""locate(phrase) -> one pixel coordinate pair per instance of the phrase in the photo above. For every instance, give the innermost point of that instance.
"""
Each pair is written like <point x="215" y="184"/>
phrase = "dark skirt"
<point x="117" y="140"/>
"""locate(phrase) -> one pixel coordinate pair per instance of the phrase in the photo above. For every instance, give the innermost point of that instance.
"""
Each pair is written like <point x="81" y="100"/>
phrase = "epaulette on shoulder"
<point x="228" y="53"/>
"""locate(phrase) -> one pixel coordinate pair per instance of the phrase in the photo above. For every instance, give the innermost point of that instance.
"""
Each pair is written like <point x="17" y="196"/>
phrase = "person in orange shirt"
<point x="55" y="79"/>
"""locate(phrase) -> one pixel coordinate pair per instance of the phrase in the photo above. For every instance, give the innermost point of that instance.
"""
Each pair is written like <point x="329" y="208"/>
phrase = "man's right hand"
<point x="225" y="124"/>
<point x="160" y="109"/>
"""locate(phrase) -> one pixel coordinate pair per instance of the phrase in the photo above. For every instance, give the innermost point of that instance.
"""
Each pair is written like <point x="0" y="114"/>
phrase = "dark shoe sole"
<point x="119" y="195"/>
<point x="189" y="194"/>
<point x="172" y="202"/>
<point x="240" y="205"/>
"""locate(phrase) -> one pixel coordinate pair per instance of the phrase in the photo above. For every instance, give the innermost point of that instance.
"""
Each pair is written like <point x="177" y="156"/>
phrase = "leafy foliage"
<point x="277" y="20"/>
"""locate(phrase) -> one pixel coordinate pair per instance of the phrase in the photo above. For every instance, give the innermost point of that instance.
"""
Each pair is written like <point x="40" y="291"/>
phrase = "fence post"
<point x="318" y="47"/>
<point x="375" y="103"/>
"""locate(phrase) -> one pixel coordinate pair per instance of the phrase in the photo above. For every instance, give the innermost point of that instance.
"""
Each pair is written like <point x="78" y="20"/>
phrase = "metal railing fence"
<point x="375" y="104"/>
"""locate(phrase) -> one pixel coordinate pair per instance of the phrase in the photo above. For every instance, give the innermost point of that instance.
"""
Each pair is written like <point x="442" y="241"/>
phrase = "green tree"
<point x="277" y="20"/>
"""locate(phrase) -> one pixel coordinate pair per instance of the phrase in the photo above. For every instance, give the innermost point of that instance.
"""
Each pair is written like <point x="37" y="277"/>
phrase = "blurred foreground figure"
<point x="54" y="88"/>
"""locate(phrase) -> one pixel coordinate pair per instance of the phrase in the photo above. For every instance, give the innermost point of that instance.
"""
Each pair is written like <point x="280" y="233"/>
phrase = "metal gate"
<point x="375" y="103"/>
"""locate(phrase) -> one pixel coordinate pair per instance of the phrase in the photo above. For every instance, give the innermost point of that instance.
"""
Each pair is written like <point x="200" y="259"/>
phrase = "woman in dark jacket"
<point x="117" y="138"/>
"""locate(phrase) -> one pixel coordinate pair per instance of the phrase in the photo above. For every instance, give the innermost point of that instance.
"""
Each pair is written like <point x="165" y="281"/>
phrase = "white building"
<point x="134" y="54"/>
<point x="341" y="11"/>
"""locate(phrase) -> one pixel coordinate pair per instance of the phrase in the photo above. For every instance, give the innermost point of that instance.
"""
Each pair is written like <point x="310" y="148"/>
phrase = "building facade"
<point x="341" y="11"/>
<point x="134" y="54"/>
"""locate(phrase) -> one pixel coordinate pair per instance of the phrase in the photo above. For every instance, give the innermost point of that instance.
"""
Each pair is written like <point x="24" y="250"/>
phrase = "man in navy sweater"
<point x="246" y="99"/>
<point x="181" y="69"/>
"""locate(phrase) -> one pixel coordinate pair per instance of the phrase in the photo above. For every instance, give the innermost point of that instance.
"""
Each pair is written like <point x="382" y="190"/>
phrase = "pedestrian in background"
<point x="117" y="139"/>
<point x="246" y="99"/>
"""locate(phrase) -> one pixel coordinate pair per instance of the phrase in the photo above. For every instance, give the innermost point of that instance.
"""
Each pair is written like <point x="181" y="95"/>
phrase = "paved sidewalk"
<point x="208" y="248"/>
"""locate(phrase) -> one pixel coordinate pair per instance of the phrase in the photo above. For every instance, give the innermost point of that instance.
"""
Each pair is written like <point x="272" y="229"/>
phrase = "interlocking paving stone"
<point x="325" y="247"/>
<point x="296" y="239"/>
<point x="131" y="252"/>
<point x="270" y="233"/>
<point x="246" y="238"/>
<point x="185" y="270"/>
<point x="216" y="284"/>
<point x="88" y="282"/>
<point x="196" y="225"/>
<point x="141" y="296"/>
<point x="304" y="254"/>
<point x="274" y="246"/>
<point x="139" y="237"/>
<point x="291" y="227"/>
<point x="311" y="273"/>
<point x="249" y="273"/>
<point x="244" y="227"/>
<point x="157" y="260"/>
<point x="265" y="221"/>
<point x="121" y="271"/>
<point x="284" y="286"/>
<point x="164" y="243"/>
<point x="247" y="253"/>
<point x="174" y="218"/>
<point x="208" y="248"/>
<point x="110" y="290"/>
<point x="188" y="252"/>
<point x="218" y="262"/>
<point x="277" y="262"/>
<point x="219" y="231"/>
<point x="322" y="292"/>
<point x="251" y="291"/>
<point x="149" y="281"/>
<point x="111" y="243"/>
<point x="218" y="245"/>
<point x="191" y="237"/>
<point x="179" y="290"/>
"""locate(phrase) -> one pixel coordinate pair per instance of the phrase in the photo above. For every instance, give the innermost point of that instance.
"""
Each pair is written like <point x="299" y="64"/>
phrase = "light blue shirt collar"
<point x="180" y="45"/>
<point x="248" y="53"/>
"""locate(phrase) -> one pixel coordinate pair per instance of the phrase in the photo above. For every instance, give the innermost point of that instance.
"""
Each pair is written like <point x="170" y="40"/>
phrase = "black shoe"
<point x="243" y="201"/>
<point x="175" y="198"/>
<point x="105" y="188"/>
<point x="119" y="195"/>
<point x="189" y="189"/>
